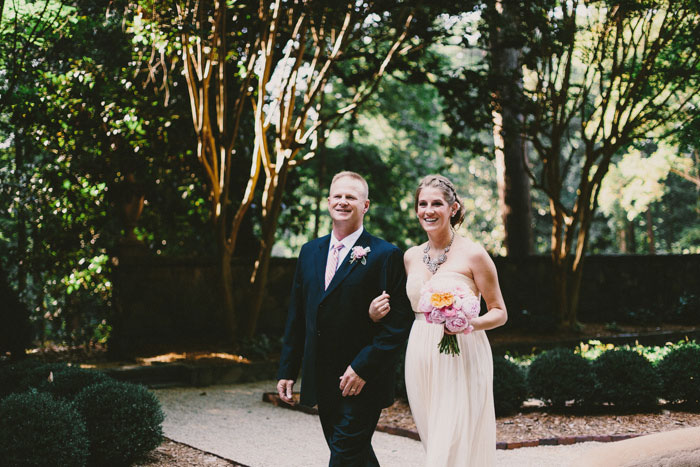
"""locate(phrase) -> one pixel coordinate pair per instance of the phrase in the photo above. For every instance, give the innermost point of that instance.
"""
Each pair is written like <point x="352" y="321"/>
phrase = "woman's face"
<point x="433" y="211"/>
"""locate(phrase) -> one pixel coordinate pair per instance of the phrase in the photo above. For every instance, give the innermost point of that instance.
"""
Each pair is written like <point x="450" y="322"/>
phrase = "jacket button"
<point x="318" y="333"/>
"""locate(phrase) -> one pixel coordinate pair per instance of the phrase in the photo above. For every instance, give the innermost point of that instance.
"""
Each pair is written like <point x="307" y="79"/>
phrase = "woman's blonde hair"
<point x="448" y="192"/>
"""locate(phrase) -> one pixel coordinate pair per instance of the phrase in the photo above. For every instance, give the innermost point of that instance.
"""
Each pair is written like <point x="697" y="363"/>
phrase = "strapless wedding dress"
<point x="451" y="397"/>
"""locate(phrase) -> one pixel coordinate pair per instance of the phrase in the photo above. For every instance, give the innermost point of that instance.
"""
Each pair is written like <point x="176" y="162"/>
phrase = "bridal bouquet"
<point x="453" y="305"/>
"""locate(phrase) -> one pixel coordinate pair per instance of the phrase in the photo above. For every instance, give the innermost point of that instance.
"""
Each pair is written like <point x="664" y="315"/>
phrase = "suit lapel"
<point x="346" y="267"/>
<point x="321" y="259"/>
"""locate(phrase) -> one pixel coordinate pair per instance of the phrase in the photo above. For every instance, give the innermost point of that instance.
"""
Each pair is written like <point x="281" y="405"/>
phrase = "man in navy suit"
<point x="348" y="360"/>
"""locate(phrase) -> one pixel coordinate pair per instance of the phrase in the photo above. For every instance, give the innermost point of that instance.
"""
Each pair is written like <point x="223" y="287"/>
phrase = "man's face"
<point x="347" y="202"/>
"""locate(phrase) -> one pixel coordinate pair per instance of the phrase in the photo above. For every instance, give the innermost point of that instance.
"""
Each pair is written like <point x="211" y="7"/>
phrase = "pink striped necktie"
<point x="332" y="263"/>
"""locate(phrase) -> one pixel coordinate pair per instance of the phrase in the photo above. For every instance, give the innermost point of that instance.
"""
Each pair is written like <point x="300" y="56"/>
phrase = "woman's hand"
<point x="379" y="307"/>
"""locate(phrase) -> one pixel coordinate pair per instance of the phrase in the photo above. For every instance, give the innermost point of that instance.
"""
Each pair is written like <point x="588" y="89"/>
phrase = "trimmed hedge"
<point x="123" y="421"/>
<point x="680" y="375"/>
<point x="38" y="430"/>
<point x="33" y="377"/>
<point x="69" y="381"/>
<point x="558" y="376"/>
<point x="626" y="379"/>
<point x="509" y="386"/>
<point x="117" y="422"/>
<point x="12" y="374"/>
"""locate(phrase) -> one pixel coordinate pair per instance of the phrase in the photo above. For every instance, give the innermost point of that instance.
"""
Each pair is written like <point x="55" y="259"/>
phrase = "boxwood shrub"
<point x="38" y="430"/>
<point x="680" y="375"/>
<point x="11" y="374"/>
<point x="34" y="376"/>
<point x="69" y="381"/>
<point x="559" y="375"/>
<point x="509" y="387"/>
<point x="123" y="421"/>
<point x="626" y="379"/>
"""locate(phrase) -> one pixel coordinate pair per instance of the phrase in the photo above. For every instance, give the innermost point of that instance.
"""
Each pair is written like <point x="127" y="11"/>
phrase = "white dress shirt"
<point x="348" y="242"/>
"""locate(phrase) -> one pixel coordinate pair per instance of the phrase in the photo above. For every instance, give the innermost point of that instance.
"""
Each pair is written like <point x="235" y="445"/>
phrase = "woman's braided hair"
<point x="448" y="192"/>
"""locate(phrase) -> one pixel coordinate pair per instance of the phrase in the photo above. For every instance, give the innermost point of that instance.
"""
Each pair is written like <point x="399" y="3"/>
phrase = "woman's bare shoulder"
<point x="472" y="255"/>
<point x="477" y="256"/>
<point x="412" y="254"/>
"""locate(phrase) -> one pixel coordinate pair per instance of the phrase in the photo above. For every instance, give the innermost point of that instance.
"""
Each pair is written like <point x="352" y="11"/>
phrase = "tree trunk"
<point x="650" y="232"/>
<point x="258" y="278"/>
<point x="622" y="239"/>
<point x="513" y="181"/>
<point x="16" y="331"/>
<point x="321" y="155"/>
<point x="560" y="288"/>
<point x="22" y="242"/>
<point x="631" y="237"/>
<point x="226" y="295"/>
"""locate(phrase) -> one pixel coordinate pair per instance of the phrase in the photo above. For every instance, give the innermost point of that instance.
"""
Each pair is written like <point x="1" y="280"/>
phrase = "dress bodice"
<point x="416" y="280"/>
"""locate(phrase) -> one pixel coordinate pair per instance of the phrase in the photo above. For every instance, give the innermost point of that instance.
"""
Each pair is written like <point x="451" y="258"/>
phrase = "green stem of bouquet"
<point x="448" y="345"/>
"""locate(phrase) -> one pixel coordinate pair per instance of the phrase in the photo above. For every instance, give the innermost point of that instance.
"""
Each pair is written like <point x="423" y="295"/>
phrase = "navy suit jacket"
<point x="330" y="329"/>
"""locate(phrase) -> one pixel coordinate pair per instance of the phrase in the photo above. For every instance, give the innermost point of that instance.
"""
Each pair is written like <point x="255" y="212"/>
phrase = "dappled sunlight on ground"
<point x="192" y="356"/>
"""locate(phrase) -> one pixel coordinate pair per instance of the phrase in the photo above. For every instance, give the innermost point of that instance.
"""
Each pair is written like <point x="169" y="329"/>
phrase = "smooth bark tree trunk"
<point x="258" y="279"/>
<point x="631" y="236"/>
<point x="321" y="154"/>
<point x="225" y="286"/>
<point x="21" y="226"/>
<point x="513" y="182"/>
<point x="650" y="232"/>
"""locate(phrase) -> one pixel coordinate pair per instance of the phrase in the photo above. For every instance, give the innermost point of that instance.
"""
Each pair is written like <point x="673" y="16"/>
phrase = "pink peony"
<point x="457" y="323"/>
<point x="436" y="316"/>
<point x="424" y="305"/>
<point x="448" y="311"/>
<point x="471" y="307"/>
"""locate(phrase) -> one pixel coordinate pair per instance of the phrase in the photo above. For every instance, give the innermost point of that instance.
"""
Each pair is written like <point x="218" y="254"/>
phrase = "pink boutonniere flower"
<point x="359" y="253"/>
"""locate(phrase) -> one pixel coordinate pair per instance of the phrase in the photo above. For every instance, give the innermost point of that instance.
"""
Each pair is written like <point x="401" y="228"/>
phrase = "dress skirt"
<point x="451" y="397"/>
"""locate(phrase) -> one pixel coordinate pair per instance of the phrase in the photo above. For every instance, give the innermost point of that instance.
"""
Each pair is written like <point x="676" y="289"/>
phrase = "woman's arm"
<point x="486" y="279"/>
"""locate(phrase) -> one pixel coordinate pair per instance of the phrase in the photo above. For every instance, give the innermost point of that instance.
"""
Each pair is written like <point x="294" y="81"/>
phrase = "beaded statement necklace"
<point x="434" y="264"/>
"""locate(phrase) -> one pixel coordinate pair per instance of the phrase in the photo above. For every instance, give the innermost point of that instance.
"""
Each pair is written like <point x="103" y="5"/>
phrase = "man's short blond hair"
<point x="354" y="175"/>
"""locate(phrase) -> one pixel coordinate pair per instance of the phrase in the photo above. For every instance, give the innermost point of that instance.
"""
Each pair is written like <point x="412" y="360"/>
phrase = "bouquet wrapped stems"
<point x="449" y="345"/>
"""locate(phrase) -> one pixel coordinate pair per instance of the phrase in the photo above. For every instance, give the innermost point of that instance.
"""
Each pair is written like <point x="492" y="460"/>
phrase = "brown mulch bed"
<point x="535" y="423"/>
<point x="173" y="453"/>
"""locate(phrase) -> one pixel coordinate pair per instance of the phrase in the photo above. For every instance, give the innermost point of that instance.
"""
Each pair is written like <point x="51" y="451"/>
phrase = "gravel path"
<point x="233" y="422"/>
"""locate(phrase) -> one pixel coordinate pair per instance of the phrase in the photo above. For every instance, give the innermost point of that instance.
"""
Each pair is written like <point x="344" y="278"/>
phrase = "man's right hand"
<point x="285" y="389"/>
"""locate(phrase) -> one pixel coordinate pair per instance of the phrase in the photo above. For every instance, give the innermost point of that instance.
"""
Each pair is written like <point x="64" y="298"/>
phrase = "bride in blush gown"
<point x="451" y="396"/>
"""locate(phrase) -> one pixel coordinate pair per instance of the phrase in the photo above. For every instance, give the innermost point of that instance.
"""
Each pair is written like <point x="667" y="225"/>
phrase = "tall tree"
<point x="213" y="43"/>
<point x="505" y="29"/>
<point x="27" y="34"/>
<point x="283" y="56"/>
<point x="289" y="104"/>
<point x="604" y="75"/>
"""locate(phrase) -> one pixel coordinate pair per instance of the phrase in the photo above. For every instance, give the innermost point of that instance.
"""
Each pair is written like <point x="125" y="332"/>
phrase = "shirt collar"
<point x="348" y="241"/>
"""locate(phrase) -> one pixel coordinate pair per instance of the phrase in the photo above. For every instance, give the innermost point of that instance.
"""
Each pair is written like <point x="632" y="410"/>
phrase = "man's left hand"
<point x="350" y="383"/>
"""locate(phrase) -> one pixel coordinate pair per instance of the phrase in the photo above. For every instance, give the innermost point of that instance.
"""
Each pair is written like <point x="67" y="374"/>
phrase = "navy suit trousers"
<point x="348" y="425"/>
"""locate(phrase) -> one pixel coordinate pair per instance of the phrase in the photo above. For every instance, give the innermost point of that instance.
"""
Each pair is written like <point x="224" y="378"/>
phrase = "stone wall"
<point x="162" y="302"/>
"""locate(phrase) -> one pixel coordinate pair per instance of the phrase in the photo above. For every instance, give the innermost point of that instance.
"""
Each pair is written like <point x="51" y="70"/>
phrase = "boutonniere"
<point x="359" y="253"/>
